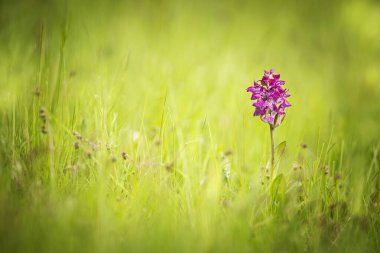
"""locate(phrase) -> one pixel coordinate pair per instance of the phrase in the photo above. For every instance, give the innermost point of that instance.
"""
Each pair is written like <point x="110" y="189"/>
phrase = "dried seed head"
<point x="72" y="73"/>
<point x="43" y="114"/>
<point x="67" y="168"/>
<point x="93" y="145"/>
<point x="227" y="153"/>
<point x="36" y="92"/>
<point x="44" y="130"/>
<point x="125" y="156"/>
<point x="152" y="132"/>
<point x="43" y="118"/>
<point x="226" y="202"/>
<point x="77" y="135"/>
<point x="75" y="168"/>
<point x="157" y="142"/>
<point x="169" y="166"/>
<point x="326" y="169"/>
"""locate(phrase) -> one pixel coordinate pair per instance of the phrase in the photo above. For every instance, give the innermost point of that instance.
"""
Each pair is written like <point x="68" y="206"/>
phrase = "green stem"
<point x="272" y="146"/>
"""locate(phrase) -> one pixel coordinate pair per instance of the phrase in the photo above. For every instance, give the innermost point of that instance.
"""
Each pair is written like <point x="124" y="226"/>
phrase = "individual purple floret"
<point x="269" y="98"/>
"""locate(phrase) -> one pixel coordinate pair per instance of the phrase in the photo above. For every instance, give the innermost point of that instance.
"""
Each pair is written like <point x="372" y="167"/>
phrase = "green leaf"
<point x="278" y="189"/>
<point x="280" y="149"/>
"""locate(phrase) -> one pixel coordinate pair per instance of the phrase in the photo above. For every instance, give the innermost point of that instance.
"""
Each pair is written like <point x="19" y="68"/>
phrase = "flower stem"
<point x="272" y="146"/>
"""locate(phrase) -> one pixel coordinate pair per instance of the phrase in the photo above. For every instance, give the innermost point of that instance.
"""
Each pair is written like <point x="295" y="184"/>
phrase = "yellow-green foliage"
<point x="125" y="126"/>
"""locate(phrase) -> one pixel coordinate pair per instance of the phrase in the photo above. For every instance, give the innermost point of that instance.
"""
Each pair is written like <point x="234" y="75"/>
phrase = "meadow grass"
<point x="125" y="127"/>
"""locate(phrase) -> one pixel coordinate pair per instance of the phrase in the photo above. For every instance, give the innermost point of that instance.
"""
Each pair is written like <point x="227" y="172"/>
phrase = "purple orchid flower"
<point x="270" y="98"/>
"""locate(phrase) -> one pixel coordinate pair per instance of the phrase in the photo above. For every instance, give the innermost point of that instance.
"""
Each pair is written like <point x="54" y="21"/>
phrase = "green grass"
<point x="164" y="82"/>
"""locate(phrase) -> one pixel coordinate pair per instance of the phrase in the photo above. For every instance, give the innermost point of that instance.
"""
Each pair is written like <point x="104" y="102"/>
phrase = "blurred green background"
<point x="164" y="81"/>
<point x="328" y="52"/>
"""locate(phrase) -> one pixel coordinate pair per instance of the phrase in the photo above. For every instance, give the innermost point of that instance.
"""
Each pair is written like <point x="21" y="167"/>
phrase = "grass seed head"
<point x="94" y="146"/>
<point x="44" y="130"/>
<point x="157" y="142"/>
<point x="337" y="177"/>
<point x="77" y="135"/>
<point x="326" y="169"/>
<point x="43" y="114"/>
<point x="296" y="166"/>
<point x="36" y="91"/>
<point x="72" y="73"/>
<point x="227" y="153"/>
<point x="169" y="166"/>
<point x="125" y="156"/>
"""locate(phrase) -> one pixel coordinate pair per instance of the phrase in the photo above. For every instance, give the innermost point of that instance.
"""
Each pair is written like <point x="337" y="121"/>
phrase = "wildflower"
<point x="270" y="102"/>
<point x="270" y="98"/>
